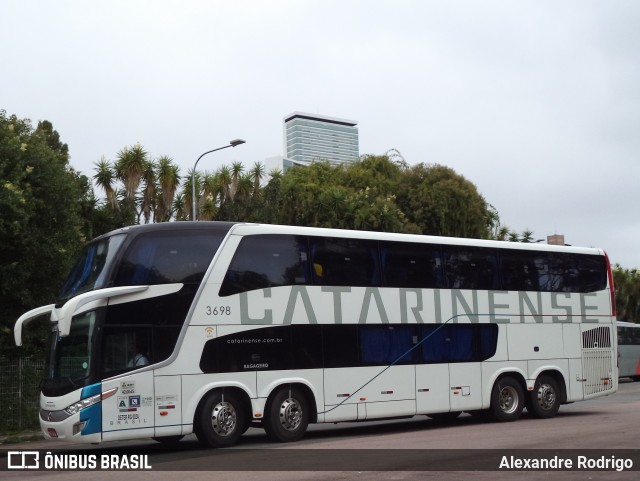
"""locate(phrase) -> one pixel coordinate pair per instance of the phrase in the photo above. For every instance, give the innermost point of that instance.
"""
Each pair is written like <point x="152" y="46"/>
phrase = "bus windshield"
<point x="70" y="356"/>
<point x="92" y="267"/>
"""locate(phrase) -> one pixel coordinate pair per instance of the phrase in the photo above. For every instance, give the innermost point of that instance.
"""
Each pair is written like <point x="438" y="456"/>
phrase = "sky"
<point x="535" y="102"/>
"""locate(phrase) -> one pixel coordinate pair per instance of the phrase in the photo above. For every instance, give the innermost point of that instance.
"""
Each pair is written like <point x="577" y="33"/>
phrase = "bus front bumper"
<point x="79" y="427"/>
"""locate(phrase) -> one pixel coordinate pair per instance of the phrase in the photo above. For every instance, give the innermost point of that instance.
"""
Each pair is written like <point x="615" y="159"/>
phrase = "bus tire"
<point x="288" y="415"/>
<point x="507" y="399"/>
<point x="222" y="420"/>
<point x="544" y="400"/>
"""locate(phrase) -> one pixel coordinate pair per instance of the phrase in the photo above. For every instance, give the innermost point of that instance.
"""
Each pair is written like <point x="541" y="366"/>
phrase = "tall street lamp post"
<point x="233" y="143"/>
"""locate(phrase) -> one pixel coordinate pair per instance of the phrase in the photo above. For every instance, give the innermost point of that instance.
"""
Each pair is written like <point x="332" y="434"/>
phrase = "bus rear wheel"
<point x="222" y="420"/>
<point x="544" y="400"/>
<point x="507" y="399"/>
<point x="288" y="415"/>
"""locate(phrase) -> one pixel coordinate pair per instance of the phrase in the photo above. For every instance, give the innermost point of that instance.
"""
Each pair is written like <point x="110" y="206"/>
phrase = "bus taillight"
<point x="612" y="290"/>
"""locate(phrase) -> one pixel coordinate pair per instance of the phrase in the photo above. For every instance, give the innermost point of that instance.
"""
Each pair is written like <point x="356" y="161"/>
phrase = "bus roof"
<point x="170" y="226"/>
<point x="243" y="228"/>
<point x="252" y="229"/>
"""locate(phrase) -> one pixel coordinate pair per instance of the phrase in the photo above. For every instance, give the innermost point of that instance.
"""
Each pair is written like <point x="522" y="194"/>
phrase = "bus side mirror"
<point x="26" y="318"/>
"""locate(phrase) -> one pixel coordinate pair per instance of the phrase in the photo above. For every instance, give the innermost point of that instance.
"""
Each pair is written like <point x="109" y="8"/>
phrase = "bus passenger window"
<point x="521" y="271"/>
<point x="470" y="268"/>
<point x="264" y="261"/>
<point x="384" y="344"/>
<point x="411" y="265"/>
<point x="167" y="257"/>
<point x="344" y="262"/>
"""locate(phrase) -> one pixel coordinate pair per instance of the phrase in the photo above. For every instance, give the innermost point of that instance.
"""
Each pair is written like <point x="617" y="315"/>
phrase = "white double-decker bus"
<point x="211" y="328"/>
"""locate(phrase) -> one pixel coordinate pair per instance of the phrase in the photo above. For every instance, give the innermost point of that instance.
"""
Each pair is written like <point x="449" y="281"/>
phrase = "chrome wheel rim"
<point x="224" y="419"/>
<point x="508" y="399"/>
<point x="546" y="396"/>
<point x="290" y="414"/>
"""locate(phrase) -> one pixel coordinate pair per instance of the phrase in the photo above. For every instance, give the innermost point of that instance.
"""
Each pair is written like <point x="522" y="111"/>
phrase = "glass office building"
<point x="310" y="137"/>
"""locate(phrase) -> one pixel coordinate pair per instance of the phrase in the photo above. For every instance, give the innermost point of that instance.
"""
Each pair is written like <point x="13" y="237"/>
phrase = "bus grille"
<point x="600" y="337"/>
<point x="597" y="361"/>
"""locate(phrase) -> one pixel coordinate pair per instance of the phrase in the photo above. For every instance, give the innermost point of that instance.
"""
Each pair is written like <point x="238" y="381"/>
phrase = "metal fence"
<point x="20" y="393"/>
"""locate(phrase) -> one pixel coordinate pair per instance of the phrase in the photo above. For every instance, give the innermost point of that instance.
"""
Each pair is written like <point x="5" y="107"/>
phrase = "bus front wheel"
<point x="507" y="399"/>
<point x="288" y="415"/>
<point x="222" y="420"/>
<point x="544" y="400"/>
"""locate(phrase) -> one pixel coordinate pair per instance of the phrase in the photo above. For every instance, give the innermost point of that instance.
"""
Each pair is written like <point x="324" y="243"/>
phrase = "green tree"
<point x="42" y="201"/>
<point x="375" y="193"/>
<point x="441" y="202"/>
<point x="138" y="188"/>
<point x="130" y="166"/>
<point x="168" y="178"/>
<point x="148" y="197"/>
<point x="271" y="199"/>
<point x="181" y="207"/>
<point x="237" y="169"/>
<point x="352" y="196"/>
<point x="105" y="178"/>
<point x="301" y="189"/>
<point x="627" y="289"/>
<point x="257" y="174"/>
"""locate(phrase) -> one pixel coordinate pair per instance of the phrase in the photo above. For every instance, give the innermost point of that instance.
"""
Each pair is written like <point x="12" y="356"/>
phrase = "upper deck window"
<point x="344" y="262"/>
<point x="168" y="257"/>
<point x="92" y="267"/>
<point x="411" y="265"/>
<point x="471" y="267"/>
<point x="270" y="260"/>
<point x="263" y="261"/>
<point x="553" y="272"/>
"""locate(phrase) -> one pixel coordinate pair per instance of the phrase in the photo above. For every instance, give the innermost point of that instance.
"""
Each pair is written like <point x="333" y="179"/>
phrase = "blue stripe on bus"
<point x="92" y="415"/>
<point x="91" y="390"/>
<point x="93" y="418"/>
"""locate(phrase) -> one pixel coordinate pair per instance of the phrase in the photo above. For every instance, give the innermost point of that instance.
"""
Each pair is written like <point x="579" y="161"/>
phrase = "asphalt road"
<point x="417" y="448"/>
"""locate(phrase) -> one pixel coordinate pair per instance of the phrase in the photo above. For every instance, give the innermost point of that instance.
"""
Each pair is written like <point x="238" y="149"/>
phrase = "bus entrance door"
<point x="129" y="414"/>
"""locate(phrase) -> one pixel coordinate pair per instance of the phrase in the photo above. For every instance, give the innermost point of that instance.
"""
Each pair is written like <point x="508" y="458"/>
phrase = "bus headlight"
<point x="83" y="404"/>
<point x="90" y="401"/>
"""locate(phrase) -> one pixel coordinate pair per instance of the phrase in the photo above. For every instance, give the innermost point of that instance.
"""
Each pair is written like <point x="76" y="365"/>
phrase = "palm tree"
<point x="105" y="178"/>
<point x="148" y="205"/>
<point x="130" y="168"/>
<point x="181" y="207"/>
<point x="527" y="236"/>
<point x="225" y="180"/>
<point x="257" y="174"/>
<point x="513" y="236"/>
<point x="187" y="190"/>
<point x="503" y="233"/>
<point x="244" y="187"/>
<point x="236" y="170"/>
<point x="208" y="208"/>
<point x="212" y="188"/>
<point x="168" y="177"/>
